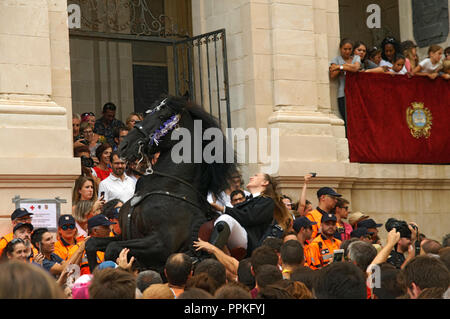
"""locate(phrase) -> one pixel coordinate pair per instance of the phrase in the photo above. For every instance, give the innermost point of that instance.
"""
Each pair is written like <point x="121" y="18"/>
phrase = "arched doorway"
<point x="132" y="52"/>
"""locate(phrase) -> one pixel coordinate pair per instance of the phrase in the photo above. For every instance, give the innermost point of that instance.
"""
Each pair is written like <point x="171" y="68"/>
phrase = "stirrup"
<point x="220" y="234"/>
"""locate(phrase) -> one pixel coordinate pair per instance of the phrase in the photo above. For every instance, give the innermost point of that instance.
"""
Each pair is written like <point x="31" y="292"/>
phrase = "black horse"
<point x="169" y="204"/>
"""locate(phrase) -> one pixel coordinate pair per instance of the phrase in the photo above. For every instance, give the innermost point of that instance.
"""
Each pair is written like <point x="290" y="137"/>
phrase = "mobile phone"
<point x="102" y="194"/>
<point x="313" y="174"/>
<point x="338" y="255"/>
<point x="40" y="247"/>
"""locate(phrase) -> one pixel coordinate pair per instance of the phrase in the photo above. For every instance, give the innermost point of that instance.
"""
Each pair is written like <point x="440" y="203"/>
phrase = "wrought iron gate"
<point x="201" y="71"/>
<point x="200" y="66"/>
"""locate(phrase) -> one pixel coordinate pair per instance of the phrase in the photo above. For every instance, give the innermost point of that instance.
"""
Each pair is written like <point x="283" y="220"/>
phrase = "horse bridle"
<point x="142" y="144"/>
<point x="147" y="139"/>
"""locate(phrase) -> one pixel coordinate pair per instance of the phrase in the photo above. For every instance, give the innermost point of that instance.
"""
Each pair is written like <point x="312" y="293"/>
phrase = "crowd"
<point x="391" y="57"/>
<point x="262" y="246"/>
<point x="325" y="253"/>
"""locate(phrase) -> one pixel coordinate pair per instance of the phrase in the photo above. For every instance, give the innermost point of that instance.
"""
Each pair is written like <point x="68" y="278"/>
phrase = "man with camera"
<point x="406" y="243"/>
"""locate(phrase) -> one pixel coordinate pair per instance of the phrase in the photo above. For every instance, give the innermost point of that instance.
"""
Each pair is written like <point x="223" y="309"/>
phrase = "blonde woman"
<point x="132" y="119"/>
<point x="84" y="210"/>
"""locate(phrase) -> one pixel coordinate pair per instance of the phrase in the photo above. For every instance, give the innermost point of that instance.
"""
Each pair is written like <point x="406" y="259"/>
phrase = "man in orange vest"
<point x="20" y="215"/>
<point x="98" y="227"/>
<point x="322" y="248"/>
<point x="303" y="227"/>
<point x="327" y="202"/>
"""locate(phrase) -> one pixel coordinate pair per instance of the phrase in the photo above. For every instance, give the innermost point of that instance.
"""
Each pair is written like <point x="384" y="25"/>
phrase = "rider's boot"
<point x="220" y="234"/>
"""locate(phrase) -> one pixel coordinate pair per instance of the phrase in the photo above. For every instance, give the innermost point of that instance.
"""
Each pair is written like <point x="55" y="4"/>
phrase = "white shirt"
<point x="114" y="187"/>
<point x="223" y="200"/>
<point x="390" y="65"/>
<point x="428" y="66"/>
<point x="81" y="231"/>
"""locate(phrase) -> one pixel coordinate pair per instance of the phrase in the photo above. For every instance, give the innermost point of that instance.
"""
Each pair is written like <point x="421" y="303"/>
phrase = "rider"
<point x="245" y="224"/>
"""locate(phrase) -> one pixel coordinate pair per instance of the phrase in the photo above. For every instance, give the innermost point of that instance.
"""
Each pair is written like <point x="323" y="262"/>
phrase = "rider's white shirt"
<point x="223" y="200"/>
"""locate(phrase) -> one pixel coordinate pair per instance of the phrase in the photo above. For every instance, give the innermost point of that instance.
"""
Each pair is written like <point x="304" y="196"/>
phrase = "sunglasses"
<point x="16" y="241"/>
<point x="66" y="227"/>
<point x="87" y="114"/>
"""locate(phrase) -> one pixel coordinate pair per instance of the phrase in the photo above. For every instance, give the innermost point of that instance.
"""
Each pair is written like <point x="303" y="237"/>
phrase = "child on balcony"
<point x="432" y="65"/>
<point x="409" y="50"/>
<point x="398" y="66"/>
<point x="390" y="47"/>
<point x="374" y="56"/>
<point x="446" y="69"/>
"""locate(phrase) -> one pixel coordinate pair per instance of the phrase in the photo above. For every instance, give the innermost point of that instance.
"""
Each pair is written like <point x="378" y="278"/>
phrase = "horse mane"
<point x="215" y="175"/>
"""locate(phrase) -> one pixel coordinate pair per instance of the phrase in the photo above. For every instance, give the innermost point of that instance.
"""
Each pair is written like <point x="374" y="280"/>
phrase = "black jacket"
<point x="255" y="215"/>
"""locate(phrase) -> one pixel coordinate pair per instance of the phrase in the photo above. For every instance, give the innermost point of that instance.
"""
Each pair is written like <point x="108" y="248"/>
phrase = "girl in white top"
<point x="432" y="65"/>
<point x="398" y="66"/>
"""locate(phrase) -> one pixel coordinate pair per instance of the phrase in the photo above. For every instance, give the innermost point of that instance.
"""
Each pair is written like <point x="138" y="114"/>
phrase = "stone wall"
<point x="36" y="160"/>
<point x="278" y="54"/>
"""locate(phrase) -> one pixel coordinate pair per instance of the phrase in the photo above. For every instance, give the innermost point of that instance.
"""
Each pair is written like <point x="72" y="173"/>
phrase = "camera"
<point x="338" y="255"/>
<point x="400" y="225"/>
<point x="87" y="161"/>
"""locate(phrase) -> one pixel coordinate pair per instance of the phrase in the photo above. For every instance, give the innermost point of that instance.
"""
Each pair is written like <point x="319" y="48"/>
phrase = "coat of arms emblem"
<point x="419" y="120"/>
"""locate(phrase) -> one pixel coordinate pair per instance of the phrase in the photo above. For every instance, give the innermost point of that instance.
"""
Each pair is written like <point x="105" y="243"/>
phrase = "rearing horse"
<point x="169" y="204"/>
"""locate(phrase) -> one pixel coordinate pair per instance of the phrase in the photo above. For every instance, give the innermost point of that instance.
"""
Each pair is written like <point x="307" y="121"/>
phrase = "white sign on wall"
<point x="46" y="212"/>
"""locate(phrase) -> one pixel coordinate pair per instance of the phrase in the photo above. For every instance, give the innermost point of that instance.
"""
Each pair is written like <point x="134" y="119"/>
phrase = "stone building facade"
<point x="277" y="54"/>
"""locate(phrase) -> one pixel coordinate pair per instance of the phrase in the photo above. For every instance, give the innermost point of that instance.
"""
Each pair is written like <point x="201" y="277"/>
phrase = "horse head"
<point x="149" y="136"/>
<point x="154" y="134"/>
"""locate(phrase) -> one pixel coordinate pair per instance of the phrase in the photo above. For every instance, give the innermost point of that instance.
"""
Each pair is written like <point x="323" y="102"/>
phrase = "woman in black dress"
<point x="244" y="225"/>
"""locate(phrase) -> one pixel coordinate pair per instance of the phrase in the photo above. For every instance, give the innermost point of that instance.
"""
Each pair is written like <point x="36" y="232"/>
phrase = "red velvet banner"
<point x="396" y="119"/>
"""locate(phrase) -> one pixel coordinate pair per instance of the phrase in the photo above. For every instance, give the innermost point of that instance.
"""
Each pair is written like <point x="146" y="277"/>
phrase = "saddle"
<point x="204" y="234"/>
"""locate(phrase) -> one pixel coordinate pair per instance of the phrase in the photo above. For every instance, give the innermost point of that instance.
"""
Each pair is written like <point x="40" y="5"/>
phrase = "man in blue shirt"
<point x="108" y="123"/>
<point x="44" y="241"/>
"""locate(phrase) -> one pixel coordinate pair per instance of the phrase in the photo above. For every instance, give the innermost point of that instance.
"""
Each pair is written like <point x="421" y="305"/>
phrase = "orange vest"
<point x="306" y="254"/>
<point x="321" y="251"/>
<point x="63" y="251"/>
<point x="84" y="265"/>
<point x="4" y="241"/>
<point x="315" y="216"/>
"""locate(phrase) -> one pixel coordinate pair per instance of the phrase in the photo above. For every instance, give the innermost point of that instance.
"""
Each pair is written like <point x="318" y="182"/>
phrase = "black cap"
<point x="360" y="232"/>
<point x="66" y="220"/>
<point x="327" y="217"/>
<point x="112" y="213"/>
<point x="327" y="191"/>
<point x="116" y="213"/>
<point x="20" y="225"/>
<point x="302" y="222"/>
<point x="20" y="212"/>
<point x="368" y="223"/>
<point x="99" y="220"/>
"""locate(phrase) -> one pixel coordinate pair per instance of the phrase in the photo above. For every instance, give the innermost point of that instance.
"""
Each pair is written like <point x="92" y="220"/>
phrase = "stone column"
<point x="36" y="160"/>
<point x="304" y="33"/>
